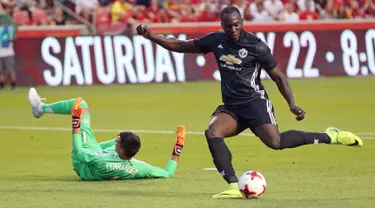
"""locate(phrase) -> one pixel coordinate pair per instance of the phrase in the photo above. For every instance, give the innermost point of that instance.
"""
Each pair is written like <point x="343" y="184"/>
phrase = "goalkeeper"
<point x="111" y="160"/>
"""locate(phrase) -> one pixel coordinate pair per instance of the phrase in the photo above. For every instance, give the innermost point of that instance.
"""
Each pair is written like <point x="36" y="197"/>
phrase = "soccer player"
<point x="111" y="160"/>
<point x="240" y="56"/>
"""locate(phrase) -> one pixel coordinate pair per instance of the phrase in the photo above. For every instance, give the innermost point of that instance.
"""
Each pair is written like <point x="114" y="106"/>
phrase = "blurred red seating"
<point x="102" y="17"/>
<point x="38" y="16"/>
<point x="21" y="17"/>
<point x="103" y="20"/>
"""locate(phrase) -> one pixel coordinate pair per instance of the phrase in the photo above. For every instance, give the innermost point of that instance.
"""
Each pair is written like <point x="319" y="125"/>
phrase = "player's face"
<point x="117" y="144"/>
<point x="232" y="25"/>
<point x="119" y="150"/>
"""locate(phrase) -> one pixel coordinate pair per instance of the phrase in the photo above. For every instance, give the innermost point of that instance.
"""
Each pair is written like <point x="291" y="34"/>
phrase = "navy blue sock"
<point x="293" y="138"/>
<point x="222" y="159"/>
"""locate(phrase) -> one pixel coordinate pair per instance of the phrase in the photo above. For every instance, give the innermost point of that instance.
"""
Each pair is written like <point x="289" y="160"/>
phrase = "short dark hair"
<point x="130" y="142"/>
<point x="230" y="10"/>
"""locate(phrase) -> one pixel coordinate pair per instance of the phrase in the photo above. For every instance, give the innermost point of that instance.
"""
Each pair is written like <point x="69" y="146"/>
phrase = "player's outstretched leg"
<point x="221" y="126"/>
<point x="39" y="108"/>
<point x="270" y="136"/>
<point x="65" y="107"/>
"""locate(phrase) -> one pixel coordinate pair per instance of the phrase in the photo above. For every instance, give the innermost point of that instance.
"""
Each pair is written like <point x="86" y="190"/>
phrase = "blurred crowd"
<point x="131" y="11"/>
<point x="104" y="12"/>
<point x="33" y="12"/>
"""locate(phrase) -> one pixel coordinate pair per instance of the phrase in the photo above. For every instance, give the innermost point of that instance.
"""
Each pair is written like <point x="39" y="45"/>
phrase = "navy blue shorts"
<point x="251" y="115"/>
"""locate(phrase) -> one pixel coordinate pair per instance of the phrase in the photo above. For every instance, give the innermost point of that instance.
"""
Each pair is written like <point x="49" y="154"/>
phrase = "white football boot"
<point x="35" y="103"/>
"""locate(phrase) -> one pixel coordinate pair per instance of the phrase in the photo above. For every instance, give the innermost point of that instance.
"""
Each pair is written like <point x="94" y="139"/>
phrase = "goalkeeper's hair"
<point x="130" y="142"/>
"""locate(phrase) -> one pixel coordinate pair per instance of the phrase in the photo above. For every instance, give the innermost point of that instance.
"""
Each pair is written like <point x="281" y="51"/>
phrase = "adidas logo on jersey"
<point x="220" y="46"/>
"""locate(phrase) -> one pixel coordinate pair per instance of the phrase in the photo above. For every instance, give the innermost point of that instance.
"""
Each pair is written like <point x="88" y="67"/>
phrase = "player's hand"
<point x="76" y="114"/>
<point x="180" y="140"/>
<point x="144" y="30"/>
<point x="300" y="114"/>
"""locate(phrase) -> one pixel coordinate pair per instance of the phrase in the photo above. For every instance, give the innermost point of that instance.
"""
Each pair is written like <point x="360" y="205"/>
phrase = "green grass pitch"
<point x="36" y="171"/>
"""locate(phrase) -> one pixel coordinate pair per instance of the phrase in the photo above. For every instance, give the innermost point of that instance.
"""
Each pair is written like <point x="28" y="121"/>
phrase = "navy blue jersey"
<point x="240" y="64"/>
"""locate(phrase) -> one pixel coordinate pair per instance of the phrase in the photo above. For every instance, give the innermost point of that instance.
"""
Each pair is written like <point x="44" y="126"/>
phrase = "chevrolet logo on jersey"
<point x="230" y="59"/>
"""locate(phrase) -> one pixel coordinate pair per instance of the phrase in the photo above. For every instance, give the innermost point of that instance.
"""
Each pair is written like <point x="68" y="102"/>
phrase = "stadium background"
<point x="78" y="48"/>
<point x="309" y="39"/>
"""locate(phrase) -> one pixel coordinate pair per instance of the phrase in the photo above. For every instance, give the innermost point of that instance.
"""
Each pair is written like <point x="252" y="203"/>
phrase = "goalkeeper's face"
<point x="127" y="145"/>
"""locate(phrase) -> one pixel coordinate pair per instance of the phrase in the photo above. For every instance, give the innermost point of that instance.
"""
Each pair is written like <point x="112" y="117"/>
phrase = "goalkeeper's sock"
<point x="293" y="138"/>
<point x="61" y="107"/>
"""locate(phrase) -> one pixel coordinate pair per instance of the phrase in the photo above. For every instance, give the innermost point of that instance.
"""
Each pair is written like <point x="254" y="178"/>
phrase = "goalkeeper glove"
<point x="180" y="141"/>
<point x="76" y="114"/>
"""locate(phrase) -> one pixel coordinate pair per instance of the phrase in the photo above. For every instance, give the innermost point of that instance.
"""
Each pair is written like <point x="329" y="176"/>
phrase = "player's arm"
<point x="149" y="171"/>
<point x="169" y="171"/>
<point x="172" y="44"/>
<point x="156" y="172"/>
<point x="107" y="144"/>
<point x="76" y="131"/>
<point x="79" y="152"/>
<point x="269" y="63"/>
<point x="283" y="84"/>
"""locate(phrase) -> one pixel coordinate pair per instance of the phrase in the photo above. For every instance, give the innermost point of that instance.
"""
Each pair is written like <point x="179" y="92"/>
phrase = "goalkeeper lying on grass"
<point x="111" y="160"/>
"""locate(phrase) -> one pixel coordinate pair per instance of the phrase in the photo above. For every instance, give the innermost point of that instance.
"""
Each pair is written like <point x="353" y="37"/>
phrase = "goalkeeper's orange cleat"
<point x="76" y="108"/>
<point x="181" y="134"/>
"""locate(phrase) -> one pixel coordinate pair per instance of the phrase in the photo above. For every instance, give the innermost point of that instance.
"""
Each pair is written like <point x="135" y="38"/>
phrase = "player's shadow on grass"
<point x="161" y="194"/>
<point x="76" y="179"/>
<point x="48" y="179"/>
<point x="121" y="188"/>
<point x="121" y="192"/>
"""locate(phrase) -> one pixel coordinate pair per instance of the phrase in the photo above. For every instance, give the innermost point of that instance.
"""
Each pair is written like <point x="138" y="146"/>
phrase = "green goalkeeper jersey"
<point x="101" y="162"/>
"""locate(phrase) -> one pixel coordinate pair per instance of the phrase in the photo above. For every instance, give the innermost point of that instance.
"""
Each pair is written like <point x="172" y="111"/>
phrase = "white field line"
<point x="365" y="135"/>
